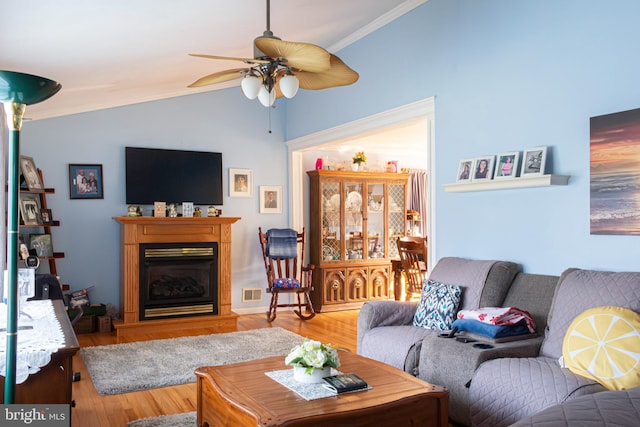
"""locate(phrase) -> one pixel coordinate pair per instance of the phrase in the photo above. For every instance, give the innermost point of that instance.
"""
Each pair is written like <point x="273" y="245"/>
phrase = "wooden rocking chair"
<point x="286" y="275"/>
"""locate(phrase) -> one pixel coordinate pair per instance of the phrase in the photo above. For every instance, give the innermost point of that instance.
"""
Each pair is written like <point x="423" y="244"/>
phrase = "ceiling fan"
<point x="280" y="67"/>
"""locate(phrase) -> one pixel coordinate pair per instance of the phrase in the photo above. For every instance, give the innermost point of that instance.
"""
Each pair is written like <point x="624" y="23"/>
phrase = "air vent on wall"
<point x="251" y="294"/>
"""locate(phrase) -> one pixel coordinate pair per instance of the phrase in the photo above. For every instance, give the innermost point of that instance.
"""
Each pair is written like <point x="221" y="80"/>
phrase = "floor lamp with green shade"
<point x="17" y="90"/>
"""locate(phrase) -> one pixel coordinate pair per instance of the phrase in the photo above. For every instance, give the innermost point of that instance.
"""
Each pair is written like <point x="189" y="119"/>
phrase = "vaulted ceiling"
<point x="120" y="52"/>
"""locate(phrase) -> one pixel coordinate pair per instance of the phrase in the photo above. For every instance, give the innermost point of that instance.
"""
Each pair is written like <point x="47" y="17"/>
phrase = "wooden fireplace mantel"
<point x="139" y="230"/>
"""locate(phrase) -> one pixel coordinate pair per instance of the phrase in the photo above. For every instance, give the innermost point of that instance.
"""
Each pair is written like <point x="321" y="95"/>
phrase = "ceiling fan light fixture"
<point x="289" y="85"/>
<point x="251" y="86"/>
<point x="266" y="98"/>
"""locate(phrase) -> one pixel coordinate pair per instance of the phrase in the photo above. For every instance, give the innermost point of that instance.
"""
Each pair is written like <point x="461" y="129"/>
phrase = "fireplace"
<point x="178" y="279"/>
<point x="141" y="230"/>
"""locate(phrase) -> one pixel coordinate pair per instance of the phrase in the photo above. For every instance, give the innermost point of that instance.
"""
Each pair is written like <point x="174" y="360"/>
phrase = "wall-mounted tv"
<point x="173" y="176"/>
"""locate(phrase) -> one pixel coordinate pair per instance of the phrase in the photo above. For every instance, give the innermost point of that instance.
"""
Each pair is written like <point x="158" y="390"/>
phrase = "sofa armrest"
<point x="384" y="313"/>
<point x="450" y="363"/>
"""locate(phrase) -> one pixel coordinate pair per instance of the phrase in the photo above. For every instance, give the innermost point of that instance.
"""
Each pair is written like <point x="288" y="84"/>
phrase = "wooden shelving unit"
<point x="505" y="184"/>
<point x="42" y="196"/>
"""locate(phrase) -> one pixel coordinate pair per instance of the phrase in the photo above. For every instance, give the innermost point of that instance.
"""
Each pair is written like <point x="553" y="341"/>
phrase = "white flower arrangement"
<point x="313" y="355"/>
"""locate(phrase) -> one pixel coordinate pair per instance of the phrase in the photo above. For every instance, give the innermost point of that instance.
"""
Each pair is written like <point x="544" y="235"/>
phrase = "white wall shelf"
<point x="504" y="184"/>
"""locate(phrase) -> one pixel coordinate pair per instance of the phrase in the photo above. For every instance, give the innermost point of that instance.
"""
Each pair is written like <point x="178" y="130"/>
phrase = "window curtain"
<point x="417" y="196"/>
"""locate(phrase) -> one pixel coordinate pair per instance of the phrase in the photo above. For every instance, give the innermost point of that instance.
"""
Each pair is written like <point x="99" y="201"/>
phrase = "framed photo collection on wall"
<point x="508" y="165"/>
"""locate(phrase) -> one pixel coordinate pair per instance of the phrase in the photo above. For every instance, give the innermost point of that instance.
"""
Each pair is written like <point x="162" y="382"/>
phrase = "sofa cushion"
<point x="608" y="408"/>
<point x="503" y="391"/>
<point x="438" y="305"/>
<point x="603" y="344"/>
<point x="485" y="283"/>
<point x="579" y="290"/>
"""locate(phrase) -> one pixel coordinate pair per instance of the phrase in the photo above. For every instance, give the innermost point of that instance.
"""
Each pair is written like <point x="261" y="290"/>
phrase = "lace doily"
<point x="39" y="336"/>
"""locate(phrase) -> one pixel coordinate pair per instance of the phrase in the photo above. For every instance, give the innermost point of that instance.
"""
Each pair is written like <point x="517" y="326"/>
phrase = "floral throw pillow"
<point x="438" y="305"/>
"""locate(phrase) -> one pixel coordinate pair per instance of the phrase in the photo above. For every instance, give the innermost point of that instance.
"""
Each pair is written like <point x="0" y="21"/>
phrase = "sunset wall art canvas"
<point x="615" y="173"/>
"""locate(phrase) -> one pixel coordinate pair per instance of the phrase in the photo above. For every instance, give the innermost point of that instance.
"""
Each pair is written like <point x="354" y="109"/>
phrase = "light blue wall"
<point x="506" y="75"/>
<point x="224" y="121"/>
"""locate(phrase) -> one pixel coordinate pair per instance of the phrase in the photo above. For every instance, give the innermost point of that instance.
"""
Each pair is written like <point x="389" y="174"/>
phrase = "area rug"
<point x="188" y="419"/>
<point x="143" y="365"/>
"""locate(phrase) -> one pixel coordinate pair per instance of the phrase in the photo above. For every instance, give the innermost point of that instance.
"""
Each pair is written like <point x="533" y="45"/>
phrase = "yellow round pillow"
<point x="603" y="344"/>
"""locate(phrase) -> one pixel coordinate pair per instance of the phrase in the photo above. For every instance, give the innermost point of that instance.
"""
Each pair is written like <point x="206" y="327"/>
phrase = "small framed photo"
<point x="30" y="209"/>
<point x="482" y="168"/>
<point x="42" y="244"/>
<point x="464" y="170"/>
<point x="534" y="161"/>
<point x="507" y="165"/>
<point x="270" y="199"/>
<point x="45" y="216"/>
<point x="85" y="181"/>
<point x="30" y="173"/>
<point x="187" y="209"/>
<point x="240" y="182"/>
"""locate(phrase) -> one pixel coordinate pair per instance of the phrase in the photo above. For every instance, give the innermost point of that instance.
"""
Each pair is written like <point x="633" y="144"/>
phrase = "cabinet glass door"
<point x="331" y="202"/>
<point x="375" y="221"/>
<point x="396" y="217"/>
<point x="353" y="215"/>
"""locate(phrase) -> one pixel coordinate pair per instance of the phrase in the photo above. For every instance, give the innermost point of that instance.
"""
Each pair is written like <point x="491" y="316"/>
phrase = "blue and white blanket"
<point x="282" y="243"/>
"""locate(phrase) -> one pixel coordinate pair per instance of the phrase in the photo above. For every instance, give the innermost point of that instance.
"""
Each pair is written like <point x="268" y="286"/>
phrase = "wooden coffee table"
<point x="242" y="395"/>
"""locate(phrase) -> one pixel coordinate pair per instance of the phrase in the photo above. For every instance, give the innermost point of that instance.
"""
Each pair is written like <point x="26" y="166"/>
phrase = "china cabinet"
<point x="356" y="218"/>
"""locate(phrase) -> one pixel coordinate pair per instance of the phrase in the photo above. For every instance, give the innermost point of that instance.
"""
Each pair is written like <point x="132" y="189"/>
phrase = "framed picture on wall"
<point x="85" y="181"/>
<point x="483" y="168"/>
<point x="464" y="170"/>
<point x="534" y="161"/>
<point x="240" y="182"/>
<point x="507" y="165"/>
<point x="270" y="199"/>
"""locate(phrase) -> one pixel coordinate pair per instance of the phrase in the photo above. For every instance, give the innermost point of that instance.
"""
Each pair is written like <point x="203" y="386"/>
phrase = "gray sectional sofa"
<point x="512" y="380"/>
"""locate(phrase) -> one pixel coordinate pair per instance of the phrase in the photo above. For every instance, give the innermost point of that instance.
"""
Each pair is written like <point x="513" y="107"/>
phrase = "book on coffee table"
<point x="345" y="383"/>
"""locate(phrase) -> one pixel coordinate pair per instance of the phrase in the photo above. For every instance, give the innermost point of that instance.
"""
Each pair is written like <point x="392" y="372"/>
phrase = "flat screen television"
<point x="173" y="176"/>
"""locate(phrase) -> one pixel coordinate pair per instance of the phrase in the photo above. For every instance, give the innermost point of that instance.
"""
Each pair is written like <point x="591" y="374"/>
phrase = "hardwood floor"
<point x="338" y="328"/>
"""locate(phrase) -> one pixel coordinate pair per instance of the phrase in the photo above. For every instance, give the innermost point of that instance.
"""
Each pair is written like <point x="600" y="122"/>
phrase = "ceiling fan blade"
<point x="303" y="56"/>
<point x="232" y="58"/>
<point x="338" y="75"/>
<point x="219" y="77"/>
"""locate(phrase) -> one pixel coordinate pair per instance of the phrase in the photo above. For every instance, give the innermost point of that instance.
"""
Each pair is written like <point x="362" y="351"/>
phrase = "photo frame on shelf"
<point x="482" y="168"/>
<point x="45" y="216"/>
<point x="30" y="173"/>
<point x="270" y="199"/>
<point x="30" y="209"/>
<point x="464" y="170"/>
<point x="507" y="165"/>
<point x="42" y="244"/>
<point x="534" y="161"/>
<point x="85" y="181"/>
<point x="240" y="182"/>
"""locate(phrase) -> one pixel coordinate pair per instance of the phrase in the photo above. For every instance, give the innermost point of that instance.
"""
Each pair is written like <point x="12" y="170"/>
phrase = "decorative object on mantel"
<point x="312" y="361"/>
<point x="358" y="159"/>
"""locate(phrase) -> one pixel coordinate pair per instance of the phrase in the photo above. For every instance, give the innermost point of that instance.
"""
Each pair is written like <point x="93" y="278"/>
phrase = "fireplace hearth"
<point x="178" y="279"/>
